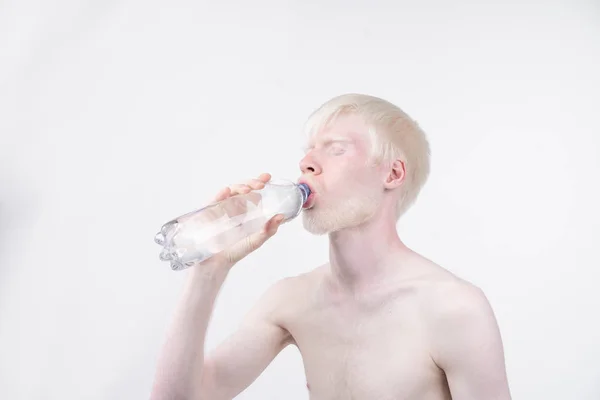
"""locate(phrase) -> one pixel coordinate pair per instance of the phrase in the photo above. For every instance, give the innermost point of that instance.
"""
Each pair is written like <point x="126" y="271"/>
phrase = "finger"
<point x="264" y="177"/>
<point x="255" y="184"/>
<point x="223" y="194"/>
<point x="254" y="198"/>
<point x="257" y="239"/>
<point x="240" y="189"/>
<point x="273" y="224"/>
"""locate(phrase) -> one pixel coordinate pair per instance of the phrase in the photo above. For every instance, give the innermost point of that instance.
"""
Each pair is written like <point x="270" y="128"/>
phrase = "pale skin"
<point x="377" y="321"/>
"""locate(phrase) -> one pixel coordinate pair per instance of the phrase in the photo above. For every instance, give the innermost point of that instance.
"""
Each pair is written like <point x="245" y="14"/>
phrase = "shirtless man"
<point x="377" y="321"/>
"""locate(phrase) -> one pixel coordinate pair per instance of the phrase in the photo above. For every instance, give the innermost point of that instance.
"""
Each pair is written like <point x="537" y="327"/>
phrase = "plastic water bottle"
<point x="198" y="235"/>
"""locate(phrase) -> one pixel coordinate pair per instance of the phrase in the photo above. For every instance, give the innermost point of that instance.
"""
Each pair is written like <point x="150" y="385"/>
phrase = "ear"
<point x="396" y="175"/>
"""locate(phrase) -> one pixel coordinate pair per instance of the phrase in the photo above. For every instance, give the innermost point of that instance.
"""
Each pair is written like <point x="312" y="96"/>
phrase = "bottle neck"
<point x="305" y="190"/>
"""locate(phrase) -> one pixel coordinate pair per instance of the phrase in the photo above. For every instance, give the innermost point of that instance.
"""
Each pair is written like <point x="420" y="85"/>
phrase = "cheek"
<point x="348" y="164"/>
<point x="347" y="182"/>
<point x="346" y="172"/>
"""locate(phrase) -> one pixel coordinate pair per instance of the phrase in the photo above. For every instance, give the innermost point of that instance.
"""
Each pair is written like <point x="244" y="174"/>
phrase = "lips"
<point x="311" y="198"/>
<point x="309" y="201"/>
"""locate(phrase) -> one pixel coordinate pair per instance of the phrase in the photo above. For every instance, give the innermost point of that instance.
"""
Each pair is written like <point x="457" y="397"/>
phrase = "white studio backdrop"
<point x="116" y="116"/>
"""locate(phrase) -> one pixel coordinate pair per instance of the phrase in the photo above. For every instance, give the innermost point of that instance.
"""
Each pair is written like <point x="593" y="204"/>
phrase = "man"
<point x="377" y="321"/>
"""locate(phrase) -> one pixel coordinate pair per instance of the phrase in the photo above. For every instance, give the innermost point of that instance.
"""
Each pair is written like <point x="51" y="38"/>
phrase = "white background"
<point x="116" y="116"/>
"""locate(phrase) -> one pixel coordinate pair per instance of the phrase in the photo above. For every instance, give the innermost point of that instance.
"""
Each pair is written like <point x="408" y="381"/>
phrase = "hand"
<point x="237" y="252"/>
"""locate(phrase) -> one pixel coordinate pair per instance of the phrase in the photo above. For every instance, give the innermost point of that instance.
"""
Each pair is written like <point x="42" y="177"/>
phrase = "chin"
<point x="321" y="219"/>
<point x="314" y="222"/>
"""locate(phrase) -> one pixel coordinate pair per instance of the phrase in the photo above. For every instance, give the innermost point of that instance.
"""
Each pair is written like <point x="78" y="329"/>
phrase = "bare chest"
<point x="366" y="353"/>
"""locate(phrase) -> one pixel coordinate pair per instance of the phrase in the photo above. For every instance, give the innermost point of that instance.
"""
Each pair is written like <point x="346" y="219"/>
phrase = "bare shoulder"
<point x="296" y="285"/>
<point x="459" y="316"/>
<point x="464" y="336"/>
<point x="288" y="295"/>
<point x="444" y="295"/>
<point x="451" y="305"/>
<point x="455" y="305"/>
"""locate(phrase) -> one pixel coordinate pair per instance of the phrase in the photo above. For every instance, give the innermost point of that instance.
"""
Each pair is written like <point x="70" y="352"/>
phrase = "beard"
<point x="351" y="211"/>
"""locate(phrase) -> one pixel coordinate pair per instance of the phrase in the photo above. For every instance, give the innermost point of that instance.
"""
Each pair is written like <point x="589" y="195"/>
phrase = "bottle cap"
<point x="305" y="190"/>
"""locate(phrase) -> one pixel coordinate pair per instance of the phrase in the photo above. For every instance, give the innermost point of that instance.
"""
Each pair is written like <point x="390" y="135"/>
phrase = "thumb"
<point x="268" y="230"/>
<point x="255" y="240"/>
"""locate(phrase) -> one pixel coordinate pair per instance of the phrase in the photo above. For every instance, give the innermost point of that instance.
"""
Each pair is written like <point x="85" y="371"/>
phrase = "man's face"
<point x="347" y="190"/>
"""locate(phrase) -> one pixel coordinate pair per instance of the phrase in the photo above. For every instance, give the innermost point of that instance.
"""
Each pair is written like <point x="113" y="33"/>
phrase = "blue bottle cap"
<point x="305" y="189"/>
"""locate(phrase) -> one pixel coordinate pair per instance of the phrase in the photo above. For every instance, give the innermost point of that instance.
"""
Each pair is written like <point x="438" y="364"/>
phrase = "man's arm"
<point x="244" y="355"/>
<point x="467" y="345"/>
<point x="184" y="373"/>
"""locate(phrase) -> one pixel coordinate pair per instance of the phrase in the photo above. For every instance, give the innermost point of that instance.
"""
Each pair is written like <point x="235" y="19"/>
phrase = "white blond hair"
<point x="393" y="135"/>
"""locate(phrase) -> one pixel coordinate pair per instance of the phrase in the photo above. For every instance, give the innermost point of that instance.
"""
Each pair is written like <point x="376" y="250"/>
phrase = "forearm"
<point x="181" y="359"/>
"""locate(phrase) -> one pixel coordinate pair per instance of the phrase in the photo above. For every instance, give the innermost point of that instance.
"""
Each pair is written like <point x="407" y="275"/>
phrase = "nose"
<point x="309" y="166"/>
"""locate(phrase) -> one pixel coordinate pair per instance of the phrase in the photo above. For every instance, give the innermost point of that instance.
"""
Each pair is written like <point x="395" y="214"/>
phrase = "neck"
<point x="365" y="256"/>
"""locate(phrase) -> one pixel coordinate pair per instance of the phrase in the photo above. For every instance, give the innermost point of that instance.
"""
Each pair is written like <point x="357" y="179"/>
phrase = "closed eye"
<point x="337" y="149"/>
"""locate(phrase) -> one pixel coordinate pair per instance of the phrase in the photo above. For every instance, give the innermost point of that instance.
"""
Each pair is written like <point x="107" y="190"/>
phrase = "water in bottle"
<point x="198" y="235"/>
